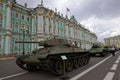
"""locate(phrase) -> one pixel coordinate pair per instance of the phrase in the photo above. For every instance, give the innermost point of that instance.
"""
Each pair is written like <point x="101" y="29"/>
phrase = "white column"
<point x="65" y="33"/>
<point x="56" y="31"/>
<point x="8" y="29"/>
<point x="47" y="26"/>
<point x="40" y="24"/>
<point x="55" y="28"/>
<point x="60" y="29"/>
<point x="2" y="43"/>
<point x="40" y="30"/>
<point x="63" y="29"/>
<point x="73" y="33"/>
<point x="51" y="29"/>
<point x="33" y="25"/>
<point x="78" y="34"/>
<point x="33" y="32"/>
<point x="68" y="31"/>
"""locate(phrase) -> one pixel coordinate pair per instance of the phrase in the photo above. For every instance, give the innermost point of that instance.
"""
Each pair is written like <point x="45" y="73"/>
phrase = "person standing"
<point x="113" y="51"/>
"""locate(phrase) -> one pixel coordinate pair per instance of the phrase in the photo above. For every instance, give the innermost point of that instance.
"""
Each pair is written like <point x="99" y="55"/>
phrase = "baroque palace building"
<point x="113" y="41"/>
<point x="19" y="23"/>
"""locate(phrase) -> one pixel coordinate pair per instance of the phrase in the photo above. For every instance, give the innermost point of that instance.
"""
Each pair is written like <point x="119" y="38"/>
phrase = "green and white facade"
<point x="37" y="24"/>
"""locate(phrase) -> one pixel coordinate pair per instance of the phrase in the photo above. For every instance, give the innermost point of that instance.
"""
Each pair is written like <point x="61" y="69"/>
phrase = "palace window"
<point x="0" y="42"/>
<point x="44" y="23"/>
<point x="12" y="14"/>
<point x="22" y="17"/>
<point x="16" y="46"/>
<point x="49" y="25"/>
<point x="36" y="18"/>
<point x="22" y="28"/>
<point x="1" y="21"/>
<point x="16" y="27"/>
<point x="28" y="19"/>
<point x="28" y="29"/>
<point x="1" y="6"/>
<point x="17" y="16"/>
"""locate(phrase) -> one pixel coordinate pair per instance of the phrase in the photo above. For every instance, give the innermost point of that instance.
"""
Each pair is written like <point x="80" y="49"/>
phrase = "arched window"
<point x="28" y="18"/>
<point x="1" y="6"/>
<point x="21" y="28"/>
<point x="16" y="27"/>
<point x="1" y="20"/>
<point x="16" y="45"/>
<point x="17" y="15"/>
<point x="22" y="17"/>
<point x="28" y="29"/>
<point x="0" y="42"/>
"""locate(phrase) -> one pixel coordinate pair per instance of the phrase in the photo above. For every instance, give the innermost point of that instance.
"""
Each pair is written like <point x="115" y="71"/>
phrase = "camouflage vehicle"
<point x="110" y="50"/>
<point x="52" y="56"/>
<point x="98" y="50"/>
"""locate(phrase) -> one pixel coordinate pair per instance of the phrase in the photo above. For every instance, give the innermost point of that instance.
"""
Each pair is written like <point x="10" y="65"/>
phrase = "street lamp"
<point x="23" y="30"/>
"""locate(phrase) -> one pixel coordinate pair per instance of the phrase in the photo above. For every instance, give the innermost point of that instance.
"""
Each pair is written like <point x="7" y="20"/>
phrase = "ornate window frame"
<point x="1" y="20"/>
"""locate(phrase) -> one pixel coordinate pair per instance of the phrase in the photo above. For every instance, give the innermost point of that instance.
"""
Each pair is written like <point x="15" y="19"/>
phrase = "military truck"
<point x="54" y="56"/>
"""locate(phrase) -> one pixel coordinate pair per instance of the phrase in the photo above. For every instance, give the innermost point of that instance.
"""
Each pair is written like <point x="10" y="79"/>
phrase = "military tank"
<point x="52" y="56"/>
<point x="108" y="49"/>
<point x="97" y="50"/>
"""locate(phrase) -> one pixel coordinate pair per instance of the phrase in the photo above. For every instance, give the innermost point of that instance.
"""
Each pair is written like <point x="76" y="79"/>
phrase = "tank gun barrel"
<point x="41" y="43"/>
<point x="48" y="43"/>
<point x="26" y="42"/>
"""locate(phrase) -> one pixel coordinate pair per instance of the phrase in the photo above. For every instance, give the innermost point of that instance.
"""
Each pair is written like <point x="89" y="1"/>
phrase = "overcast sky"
<point x="99" y="16"/>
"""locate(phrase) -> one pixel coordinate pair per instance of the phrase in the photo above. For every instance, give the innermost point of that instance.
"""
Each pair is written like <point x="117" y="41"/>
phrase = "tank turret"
<point x="54" y="42"/>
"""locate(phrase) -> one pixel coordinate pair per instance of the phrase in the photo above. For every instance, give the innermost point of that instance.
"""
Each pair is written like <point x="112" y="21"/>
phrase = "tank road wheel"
<point x="21" y="64"/>
<point x="51" y="63"/>
<point x="59" y="69"/>
<point x="31" y="67"/>
<point x="76" y="62"/>
<point x="81" y="61"/>
<point x="69" y="65"/>
<point x="85" y="59"/>
<point x="103" y="54"/>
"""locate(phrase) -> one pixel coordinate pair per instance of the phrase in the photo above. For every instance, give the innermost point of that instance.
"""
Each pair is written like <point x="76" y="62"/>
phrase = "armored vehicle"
<point x="108" y="49"/>
<point x="111" y="49"/>
<point x="54" y="53"/>
<point x="98" y="50"/>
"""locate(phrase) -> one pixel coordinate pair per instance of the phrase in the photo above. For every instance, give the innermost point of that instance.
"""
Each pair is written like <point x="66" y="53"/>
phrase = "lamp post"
<point x="23" y="41"/>
<point x="23" y="30"/>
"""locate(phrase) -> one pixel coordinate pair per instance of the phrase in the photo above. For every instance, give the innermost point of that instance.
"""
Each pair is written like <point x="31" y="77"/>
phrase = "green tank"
<point x="57" y="55"/>
<point x="108" y="49"/>
<point x="111" y="49"/>
<point x="98" y="50"/>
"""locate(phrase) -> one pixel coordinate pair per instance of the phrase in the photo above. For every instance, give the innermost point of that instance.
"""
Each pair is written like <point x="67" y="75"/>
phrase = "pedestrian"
<point x="113" y="51"/>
